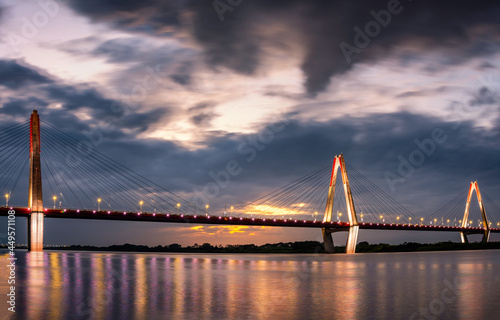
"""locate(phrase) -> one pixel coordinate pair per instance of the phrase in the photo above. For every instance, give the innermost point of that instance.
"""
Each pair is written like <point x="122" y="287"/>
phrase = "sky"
<point x="184" y="87"/>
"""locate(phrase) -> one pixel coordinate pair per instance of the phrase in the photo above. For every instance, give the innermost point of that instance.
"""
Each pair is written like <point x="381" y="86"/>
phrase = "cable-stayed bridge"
<point x="80" y="183"/>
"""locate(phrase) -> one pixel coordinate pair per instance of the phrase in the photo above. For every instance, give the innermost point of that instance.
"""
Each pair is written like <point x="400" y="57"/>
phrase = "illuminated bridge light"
<point x="77" y="211"/>
<point x="168" y="215"/>
<point x="124" y="213"/>
<point x="93" y="211"/>
<point x="194" y="217"/>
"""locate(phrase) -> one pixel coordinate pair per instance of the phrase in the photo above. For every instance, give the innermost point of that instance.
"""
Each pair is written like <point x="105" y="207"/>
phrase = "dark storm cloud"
<point x="460" y="29"/>
<point x="68" y="100"/>
<point x="145" y="16"/>
<point x="20" y="107"/>
<point x="167" y="64"/>
<point x="14" y="75"/>
<point x="102" y="109"/>
<point x="142" y="121"/>
<point x="83" y="97"/>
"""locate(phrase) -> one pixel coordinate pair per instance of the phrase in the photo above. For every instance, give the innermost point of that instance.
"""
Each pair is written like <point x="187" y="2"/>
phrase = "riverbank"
<point x="287" y="247"/>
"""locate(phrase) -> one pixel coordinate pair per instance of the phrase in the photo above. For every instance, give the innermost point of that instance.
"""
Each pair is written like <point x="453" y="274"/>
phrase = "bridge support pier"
<point x="463" y="237"/>
<point x="35" y="232"/>
<point x="352" y="239"/>
<point x="328" y="240"/>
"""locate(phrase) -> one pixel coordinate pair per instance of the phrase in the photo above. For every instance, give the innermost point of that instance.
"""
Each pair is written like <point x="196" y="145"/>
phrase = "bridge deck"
<point x="226" y="220"/>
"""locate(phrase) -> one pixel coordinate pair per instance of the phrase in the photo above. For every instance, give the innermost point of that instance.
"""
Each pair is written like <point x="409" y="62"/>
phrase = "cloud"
<point x="202" y="114"/>
<point x="14" y="76"/>
<point x="485" y="96"/>
<point x="73" y="107"/>
<point x="213" y="230"/>
<point x="422" y="93"/>
<point x="314" y="30"/>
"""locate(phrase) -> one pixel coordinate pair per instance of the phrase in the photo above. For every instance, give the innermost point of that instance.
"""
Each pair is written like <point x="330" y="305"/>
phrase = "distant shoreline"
<point x="288" y="247"/>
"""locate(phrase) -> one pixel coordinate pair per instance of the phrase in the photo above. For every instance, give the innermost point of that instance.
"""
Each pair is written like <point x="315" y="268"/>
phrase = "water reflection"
<point x="80" y="285"/>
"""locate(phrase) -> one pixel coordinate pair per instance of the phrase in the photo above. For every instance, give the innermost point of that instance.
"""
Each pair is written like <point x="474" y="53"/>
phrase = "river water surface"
<point x="90" y="285"/>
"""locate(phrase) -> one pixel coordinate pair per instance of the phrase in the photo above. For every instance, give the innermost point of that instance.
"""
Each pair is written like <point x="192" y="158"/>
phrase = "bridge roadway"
<point x="227" y="220"/>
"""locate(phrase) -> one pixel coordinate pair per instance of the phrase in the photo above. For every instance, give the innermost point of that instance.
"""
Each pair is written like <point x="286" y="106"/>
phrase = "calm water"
<point x="82" y="285"/>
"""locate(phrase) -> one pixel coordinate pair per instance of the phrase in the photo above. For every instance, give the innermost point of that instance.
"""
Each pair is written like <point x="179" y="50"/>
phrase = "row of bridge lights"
<point x="339" y="214"/>
<point x="178" y="206"/>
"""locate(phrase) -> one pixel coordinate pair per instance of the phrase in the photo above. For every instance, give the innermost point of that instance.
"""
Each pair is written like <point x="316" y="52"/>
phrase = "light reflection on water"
<point x="83" y="285"/>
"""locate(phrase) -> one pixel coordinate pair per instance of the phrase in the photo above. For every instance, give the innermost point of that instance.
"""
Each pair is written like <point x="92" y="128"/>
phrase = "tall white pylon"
<point x="463" y="234"/>
<point x="339" y="163"/>
<point x="35" y="202"/>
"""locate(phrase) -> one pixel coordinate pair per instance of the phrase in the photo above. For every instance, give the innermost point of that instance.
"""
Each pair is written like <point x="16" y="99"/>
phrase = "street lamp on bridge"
<point x="206" y="210"/>
<point x="7" y="200"/>
<point x="140" y="206"/>
<point x="178" y="207"/>
<point x="98" y="204"/>
<point x="54" y="198"/>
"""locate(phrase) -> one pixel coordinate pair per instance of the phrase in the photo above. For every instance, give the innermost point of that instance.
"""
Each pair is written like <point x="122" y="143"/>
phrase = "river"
<point x="101" y="285"/>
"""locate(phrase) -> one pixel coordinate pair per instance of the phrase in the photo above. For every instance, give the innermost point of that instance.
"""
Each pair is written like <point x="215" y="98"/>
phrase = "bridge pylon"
<point x="463" y="234"/>
<point x="339" y="163"/>
<point x="35" y="203"/>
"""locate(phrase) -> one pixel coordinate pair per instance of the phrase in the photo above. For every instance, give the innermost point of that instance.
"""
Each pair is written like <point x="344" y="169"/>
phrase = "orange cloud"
<point x="213" y="230"/>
